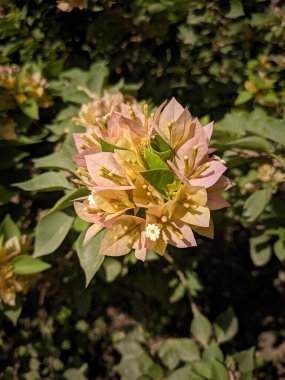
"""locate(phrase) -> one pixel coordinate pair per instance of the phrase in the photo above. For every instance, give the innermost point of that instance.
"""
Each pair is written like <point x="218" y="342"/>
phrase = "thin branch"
<point x="183" y="281"/>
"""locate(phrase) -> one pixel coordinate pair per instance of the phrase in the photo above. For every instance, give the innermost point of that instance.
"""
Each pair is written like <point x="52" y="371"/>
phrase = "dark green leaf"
<point x="53" y="69"/>
<point x="161" y="148"/>
<point x="5" y="195"/>
<point x="159" y="178"/>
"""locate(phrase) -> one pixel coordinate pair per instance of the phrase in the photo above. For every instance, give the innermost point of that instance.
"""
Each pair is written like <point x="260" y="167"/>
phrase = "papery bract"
<point x="152" y="179"/>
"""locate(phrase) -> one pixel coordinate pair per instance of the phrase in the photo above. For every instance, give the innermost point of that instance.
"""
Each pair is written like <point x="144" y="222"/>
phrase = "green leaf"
<point x="8" y="228"/>
<point x="107" y="147"/>
<point x="213" y="351"/>
<point x="31" y="109"/>
<point x="219" y="371"/>
<point x="5" y="195"/>
<point x="51" y="230"/>
<point x="67" y="113"/>
<point x="172" y="351"/>
<point x="74" y="374"/>
<point x="159" y="178"/>
<point x="26" y="265"/>
<point x="245" y="361"/>
<point x="187" y="35"/>
<point x="260" y="249"/>
<point x="88" y="254"/>
<point x="233" y="123"/>
<point x="166" y="155"/>
<point x="10" y="155"/>
<point x="93" y="79"/>
<point x="256" y="203"/>
<point x="202" y="368"/>
<point x="201" y="328"/>
<point x="184" y="373"/>
<point x="67" y="199"/>
<point x="250" y="142"/>
<point x="70" y="91"/>
<point x="279" y="249"/>
<point x="12" y="312"/>
<point x="80" y="225"/>
<point x="268" y="127"/>
<point x="178" y="293"/>
<point x="161" y="148"/>
<point x="243" y="97"/>
<point x="135" y="362"/>
<point x="226" y="325"/>
<point x="153" y="161"/>
<point x="98" y="74"/>
<point x="53" y="69"/>
<point x="51" y="181"/>
<point x="236" y="9"/>
<point x="112" y="269"/>
<point x="58" y="160"/>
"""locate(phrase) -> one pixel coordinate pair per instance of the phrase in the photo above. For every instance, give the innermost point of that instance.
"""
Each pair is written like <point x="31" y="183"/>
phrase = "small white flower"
<point x="219" y="159"/>
<point x="152" y="232"/>
<point x="91" y="200"/>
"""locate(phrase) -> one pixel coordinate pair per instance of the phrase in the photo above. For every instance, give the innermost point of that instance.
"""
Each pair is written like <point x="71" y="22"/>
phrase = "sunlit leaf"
<point x="153" y="161"/>
<point x="26" y="265"/>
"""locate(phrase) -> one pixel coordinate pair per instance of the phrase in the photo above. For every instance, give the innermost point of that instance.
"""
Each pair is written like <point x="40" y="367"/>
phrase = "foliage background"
<point x="225" y="60"/>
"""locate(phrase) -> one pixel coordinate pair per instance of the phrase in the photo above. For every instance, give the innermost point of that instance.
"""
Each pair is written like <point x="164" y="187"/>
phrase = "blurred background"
<point x="225" y="61"/>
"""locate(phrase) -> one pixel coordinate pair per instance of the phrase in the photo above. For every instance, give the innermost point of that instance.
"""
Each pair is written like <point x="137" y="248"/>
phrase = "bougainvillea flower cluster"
<point x="11" y="283"/>
<point x="152" y="178"/>
<point x="19" y="85"/>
